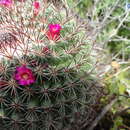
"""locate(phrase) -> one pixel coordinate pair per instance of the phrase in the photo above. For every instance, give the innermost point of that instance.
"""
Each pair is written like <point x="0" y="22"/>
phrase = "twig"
<point x="116" y="74"/>
<point x="119" y="113"/>
<point x="104" y="111"/>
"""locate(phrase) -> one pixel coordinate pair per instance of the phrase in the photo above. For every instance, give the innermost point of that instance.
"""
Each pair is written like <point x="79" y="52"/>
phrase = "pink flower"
<point x="36" y="5"/>
<point x="24" y="75"/>
<point x="6" y="3"/>
<point x="54" y="32"/>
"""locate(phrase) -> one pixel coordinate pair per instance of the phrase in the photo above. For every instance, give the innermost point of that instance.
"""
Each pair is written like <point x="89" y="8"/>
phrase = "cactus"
<point x="45" y="77"/>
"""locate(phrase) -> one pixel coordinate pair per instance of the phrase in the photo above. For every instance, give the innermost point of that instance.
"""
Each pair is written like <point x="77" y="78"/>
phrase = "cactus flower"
<point x="6" y="3"/>
<point x="54" y="32"/>
<point x="24" y="75"/>
<point x="36" y="6"/>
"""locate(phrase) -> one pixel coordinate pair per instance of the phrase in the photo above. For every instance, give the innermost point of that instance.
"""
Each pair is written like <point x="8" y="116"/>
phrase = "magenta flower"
<point x="24" y="75"/>
<point x="6" y="3"/>
<point x="36" y="5"/>
<point x="54" y="32"/>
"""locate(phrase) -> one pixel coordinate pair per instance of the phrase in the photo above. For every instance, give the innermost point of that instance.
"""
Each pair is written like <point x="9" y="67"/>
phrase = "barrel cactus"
<point x="45" y="77"/>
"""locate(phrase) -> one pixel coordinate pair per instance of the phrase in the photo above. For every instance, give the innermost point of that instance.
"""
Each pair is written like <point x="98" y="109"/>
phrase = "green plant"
<point x="45" y="77"/>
